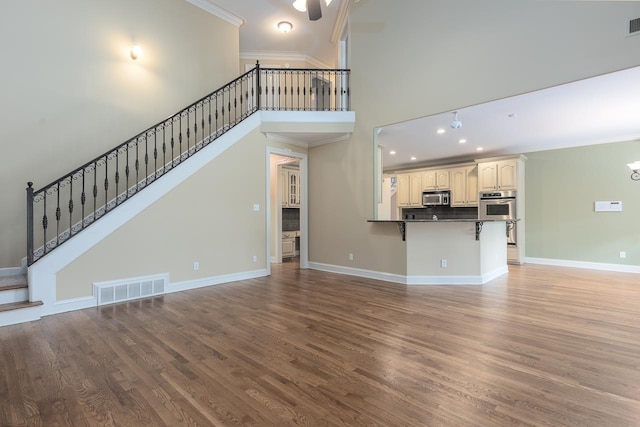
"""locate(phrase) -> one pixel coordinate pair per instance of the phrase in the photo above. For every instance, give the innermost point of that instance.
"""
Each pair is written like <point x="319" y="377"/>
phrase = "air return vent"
<point x="130" y="289"/>
<point x="634" y="26"/>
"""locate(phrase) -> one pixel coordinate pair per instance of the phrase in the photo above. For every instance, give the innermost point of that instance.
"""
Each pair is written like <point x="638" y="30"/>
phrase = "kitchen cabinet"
<point x="500" y="175"/>
<point x="289" y="243"/>
<point x="290" y="187"/>
<point x="435" y="180"/>
<point x="464" y="186"/>
<point x="409" y="189"/>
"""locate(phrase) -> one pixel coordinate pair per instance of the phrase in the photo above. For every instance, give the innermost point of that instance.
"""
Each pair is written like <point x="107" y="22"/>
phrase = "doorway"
<point x="286" y="207"/>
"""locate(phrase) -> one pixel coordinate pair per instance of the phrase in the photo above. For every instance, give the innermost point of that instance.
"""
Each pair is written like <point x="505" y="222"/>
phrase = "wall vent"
<point x="634" y="26"/>
<point x="130" y="289"/>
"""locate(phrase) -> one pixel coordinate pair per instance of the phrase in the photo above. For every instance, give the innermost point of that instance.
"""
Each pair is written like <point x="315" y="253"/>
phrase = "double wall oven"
<point x="500" y="205"/>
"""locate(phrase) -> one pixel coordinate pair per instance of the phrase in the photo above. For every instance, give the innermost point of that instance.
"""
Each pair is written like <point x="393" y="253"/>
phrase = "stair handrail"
<point x="256" y="89"/>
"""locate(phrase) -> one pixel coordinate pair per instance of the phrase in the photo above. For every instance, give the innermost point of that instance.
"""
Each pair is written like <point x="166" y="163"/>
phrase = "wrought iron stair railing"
<point x="64" y="208"/>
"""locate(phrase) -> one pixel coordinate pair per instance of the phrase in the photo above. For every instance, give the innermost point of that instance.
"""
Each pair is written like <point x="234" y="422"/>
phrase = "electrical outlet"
<point x="350" y="257"/>
<point x="196" y="265"/>
<point x="256" y="207"/>
<point x="443" y="263"/>
<point x="623" y="254"/>
<point x="255" y="258"/>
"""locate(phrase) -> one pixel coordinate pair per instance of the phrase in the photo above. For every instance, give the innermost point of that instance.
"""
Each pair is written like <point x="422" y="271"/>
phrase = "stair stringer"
<point x="42" y="274"/>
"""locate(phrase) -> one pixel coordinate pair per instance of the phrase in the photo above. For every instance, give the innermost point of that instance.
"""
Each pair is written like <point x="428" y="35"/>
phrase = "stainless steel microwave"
<point x="435" y="198"/>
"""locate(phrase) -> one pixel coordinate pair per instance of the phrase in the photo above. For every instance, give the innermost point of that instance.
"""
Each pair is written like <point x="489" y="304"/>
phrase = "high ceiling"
<point x="599" y="110"/>
<point x="259" y="33"/>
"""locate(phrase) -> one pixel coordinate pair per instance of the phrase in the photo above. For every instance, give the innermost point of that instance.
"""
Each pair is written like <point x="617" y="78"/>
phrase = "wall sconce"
<point x="136" y="51"/>
<point x="635" y="168"/>
<point x="285" y="26"/>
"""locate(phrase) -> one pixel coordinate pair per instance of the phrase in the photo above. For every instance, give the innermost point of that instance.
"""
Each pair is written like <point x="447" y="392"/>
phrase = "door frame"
<point x="304" y="213"/>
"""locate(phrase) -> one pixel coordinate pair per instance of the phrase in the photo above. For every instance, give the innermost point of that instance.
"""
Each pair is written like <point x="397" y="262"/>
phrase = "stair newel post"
<point x="258" y="89"/>
<point x="29" y="223"/>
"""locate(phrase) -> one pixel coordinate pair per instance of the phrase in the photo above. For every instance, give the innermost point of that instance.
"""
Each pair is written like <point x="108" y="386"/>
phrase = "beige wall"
<point x="70" y="90"/>
<point x="417" y="58"/>
<point x="562" y="186"/>
<point x="209" y="218"/>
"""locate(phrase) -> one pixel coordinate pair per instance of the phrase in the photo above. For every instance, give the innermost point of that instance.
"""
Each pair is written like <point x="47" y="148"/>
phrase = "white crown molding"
<point x="216" y="10"/>
<point x="341" y="21"/>
<point x="268" y="55"/>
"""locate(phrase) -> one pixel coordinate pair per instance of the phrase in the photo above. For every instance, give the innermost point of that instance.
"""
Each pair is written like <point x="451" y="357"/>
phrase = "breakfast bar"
<point x="453" y="251"/>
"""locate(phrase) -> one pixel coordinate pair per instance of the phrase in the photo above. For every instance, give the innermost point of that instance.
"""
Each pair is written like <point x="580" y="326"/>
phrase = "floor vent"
<point x="634" y="27"/>
<point x="130" y="289"/>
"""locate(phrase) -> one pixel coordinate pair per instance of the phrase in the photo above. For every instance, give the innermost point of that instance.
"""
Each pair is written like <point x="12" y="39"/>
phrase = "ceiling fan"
<point x="313" y="6"/>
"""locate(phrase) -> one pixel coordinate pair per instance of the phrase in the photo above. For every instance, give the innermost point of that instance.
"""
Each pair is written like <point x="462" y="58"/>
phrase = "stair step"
<point x="19" y="305"/>
<point x="13" y="289"/>
<point x="13" y="282"/>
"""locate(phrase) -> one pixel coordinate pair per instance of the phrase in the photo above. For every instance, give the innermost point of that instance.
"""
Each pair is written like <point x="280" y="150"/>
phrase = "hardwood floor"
<point x="545" y="346"/>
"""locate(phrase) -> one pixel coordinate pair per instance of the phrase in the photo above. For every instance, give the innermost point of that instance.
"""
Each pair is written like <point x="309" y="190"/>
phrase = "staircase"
<point x="64" y="208"/>
<point x="15" y="306"/>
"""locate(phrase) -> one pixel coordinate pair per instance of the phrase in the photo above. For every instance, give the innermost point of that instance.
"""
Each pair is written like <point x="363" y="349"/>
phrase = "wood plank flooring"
<point x="544" y="346"/>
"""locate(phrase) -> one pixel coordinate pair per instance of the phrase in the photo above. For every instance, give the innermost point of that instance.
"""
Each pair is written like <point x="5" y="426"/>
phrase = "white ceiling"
<point x="258" y="33"/>
<point x="593" y="111"/>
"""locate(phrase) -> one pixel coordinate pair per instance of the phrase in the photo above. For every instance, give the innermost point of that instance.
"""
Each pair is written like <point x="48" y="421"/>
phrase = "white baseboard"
<point x="584" y="264"/>
<point x="410" y="280"/>
<point x="12" y="271"/>
<point x="73" y="304"/>
<point x="214" y="280"/>
<point x="368" y="274"/>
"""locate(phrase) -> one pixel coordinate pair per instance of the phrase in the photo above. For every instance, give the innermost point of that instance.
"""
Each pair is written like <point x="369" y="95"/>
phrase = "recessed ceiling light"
<point x="413" y="158"/>
<point x="462" y="141"/>
<point x="392" y="152"/>
<point x="440" y="131"/>
<point x="285" y="26"/>
<point x="479" y="149"/>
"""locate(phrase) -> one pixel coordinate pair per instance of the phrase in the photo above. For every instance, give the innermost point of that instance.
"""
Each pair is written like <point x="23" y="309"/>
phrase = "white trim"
<point x="42" y="274"/>
<point x="216" y="10"/>
<point x="22" y="315"/>
<point x="12" y="271"/>
<point x="411" y="280"/>
<point x="341" y="21"/>
<point x="73" y="304"/>
<point x="264" y="55"/>
<point x="214" y="280"/>
<point x="271" y="136"/>
<point x="584" y="264"/>
<point x="304" y="204"/>
<point x="368" y="274"/>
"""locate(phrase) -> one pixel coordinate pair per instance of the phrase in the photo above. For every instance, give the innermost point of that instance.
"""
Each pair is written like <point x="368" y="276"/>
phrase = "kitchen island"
<point x="453" y="251"/>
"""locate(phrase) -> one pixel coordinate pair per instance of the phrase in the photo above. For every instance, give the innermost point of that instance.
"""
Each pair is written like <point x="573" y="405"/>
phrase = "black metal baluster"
<point x="45" y="221"/>
<point x="146" y="159"/>
<point x="164" y="148"/>
<point x="188" y="129"/>
<point x="117" y="174"/>
<point x="30" y="257"/>
<point x="58" y="214"/>
<point x="137" y="165"/>
<point x="70" y="206"/>
<point x="95" y="189"/>
<point x="83" y="197"/>
<point x="180" y="139"/>
<point x="126" y="174"/>
<point x="155" y="153"/>
<point x="106" y="184"/>
<point x="258" y="86"/>
<point x="173" y="142"/>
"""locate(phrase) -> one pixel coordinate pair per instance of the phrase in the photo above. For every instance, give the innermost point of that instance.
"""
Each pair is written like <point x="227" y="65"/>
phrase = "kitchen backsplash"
<point x="442" y="212"/>
<point x="290" y="219"/>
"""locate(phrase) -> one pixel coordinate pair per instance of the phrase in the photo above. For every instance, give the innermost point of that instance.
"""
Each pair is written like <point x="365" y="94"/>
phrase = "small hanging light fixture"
<point x="285" y="26"/>
<point x="136" y="51"/>
<point x="635" y="170"/>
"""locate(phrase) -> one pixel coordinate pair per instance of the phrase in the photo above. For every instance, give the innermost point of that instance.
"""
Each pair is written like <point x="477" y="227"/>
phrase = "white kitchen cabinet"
<point x="289" y="243"/>
<point x="500" y="175"/>
<point x="464" y="186"/>
<point x="436" y="180"/>
<point x="290" y="187"/>
<point x="409" y="189"/>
